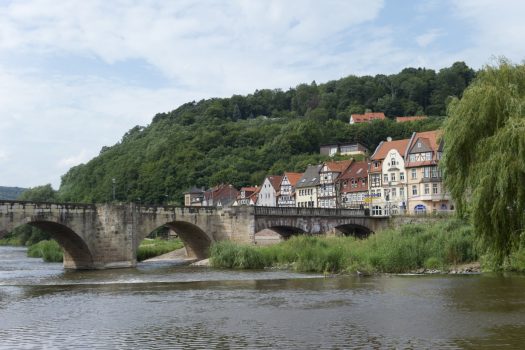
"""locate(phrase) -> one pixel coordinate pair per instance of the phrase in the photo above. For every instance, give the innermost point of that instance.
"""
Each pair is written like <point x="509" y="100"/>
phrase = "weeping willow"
<point x="484" y="155"/>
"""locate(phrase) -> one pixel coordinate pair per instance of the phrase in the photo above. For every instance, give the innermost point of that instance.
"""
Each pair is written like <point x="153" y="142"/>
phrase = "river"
<point x="164" y="306"/>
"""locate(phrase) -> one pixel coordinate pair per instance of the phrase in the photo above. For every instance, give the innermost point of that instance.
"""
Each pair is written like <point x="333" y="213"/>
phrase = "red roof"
<point x="293" y="177"/>
<point x="385" y="147"/>
<point x="411" y="118"/>
<point x="357" y="171"/>
<point x="429" y="139"/>
<point x="338" y="166"/>
<point x="367" y="117"/>
<point x="275" y="181"/>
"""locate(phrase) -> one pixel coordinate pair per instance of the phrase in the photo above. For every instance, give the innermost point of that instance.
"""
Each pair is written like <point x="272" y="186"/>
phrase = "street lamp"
<point x="114" y="181"/>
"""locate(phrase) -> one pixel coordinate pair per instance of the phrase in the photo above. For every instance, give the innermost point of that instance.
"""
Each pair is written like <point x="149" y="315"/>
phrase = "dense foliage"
<point x="26" y="234"/>
<point x="485" y="155"/>
<point x="10" y="193"/>
<point x="241" y="139"/>
<point x="436" y="246"/>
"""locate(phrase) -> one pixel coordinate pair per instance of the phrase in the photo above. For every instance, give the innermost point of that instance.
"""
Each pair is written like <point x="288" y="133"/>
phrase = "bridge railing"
<point x="280" y="211"/>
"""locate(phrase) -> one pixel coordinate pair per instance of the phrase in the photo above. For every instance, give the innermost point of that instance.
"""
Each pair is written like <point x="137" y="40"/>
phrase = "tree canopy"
<point x="241" y="139"/>
<point x="484" y="154"/>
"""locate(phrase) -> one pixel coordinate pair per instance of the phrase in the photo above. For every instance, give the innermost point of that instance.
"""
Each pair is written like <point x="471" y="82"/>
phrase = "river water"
<point x="164" y="306"/>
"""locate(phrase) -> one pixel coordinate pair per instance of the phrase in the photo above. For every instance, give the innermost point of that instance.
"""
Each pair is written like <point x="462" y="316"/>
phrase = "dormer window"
<point x="418" y="144"/>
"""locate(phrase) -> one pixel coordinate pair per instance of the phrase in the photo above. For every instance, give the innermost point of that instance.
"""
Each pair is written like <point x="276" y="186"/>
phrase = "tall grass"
<point x="150" y="248"/>
<point x="50" y="251"/>
<point x="440" y="245"/>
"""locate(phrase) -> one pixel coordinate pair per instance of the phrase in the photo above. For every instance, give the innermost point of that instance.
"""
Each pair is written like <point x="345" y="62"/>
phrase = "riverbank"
<point x="50" y="250"/>
<point x="439" y="247"/>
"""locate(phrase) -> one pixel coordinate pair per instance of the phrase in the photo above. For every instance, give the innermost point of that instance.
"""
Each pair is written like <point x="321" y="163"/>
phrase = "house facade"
<point x="247" y="196"/>
<point x="426" y="193"/>
<point x="223" y="195"/>
<point x="269" y="190"/>
<point x="344" y="149"/>
<point x="307" y="188"/>
<point x="388" y="178"/>
<point x="194" y="197"/>
<point x="286" y="195"/>
<point x="353" y="186"/>
<point x="330" y="171"/>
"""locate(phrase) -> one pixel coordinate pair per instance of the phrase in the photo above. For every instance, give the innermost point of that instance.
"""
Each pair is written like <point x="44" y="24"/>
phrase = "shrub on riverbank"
<point x="150" y="248"/>
<point x="410" y="247"/>
<point x="50" y="251"/>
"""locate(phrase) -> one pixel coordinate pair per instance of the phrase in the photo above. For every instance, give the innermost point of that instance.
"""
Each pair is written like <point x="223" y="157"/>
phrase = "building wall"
<point x="286" y="199"/>
<point x="306" y="197"/>
<point x="393" y="189"/>
<point x="426" y="192"/>
<point x="267" y="195"/>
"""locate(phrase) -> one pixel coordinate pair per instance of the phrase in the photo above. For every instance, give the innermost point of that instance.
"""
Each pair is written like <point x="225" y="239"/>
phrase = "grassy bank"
<point x="438" y="246"/>
<point x="150" y="248"/>
<point x="50" y="251"/>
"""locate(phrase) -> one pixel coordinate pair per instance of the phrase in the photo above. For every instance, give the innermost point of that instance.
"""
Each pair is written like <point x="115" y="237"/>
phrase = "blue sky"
<point x="76" y="75"/>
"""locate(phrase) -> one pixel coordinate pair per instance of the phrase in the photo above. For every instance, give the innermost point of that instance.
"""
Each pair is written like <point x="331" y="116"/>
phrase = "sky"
<point x="75" y="75"/>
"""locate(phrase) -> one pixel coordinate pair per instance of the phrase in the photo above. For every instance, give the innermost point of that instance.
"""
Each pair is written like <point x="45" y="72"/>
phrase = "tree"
<point x="484" y="155"/>
<point x="44" y="193"/>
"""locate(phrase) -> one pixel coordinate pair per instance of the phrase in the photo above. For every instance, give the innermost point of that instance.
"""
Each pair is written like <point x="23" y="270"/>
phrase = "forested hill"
<point x="10" y="193"/>
<point x="241" y="139"/>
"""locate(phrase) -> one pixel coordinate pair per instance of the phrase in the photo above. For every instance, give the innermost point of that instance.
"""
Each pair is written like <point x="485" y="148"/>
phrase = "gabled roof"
<point x="194" y="190"/>
<point x="338" y="166"/>
<point x="411" y="118"/>
<point x="293" y="177"/>
<point x="362" y="118"/>
<point x="358" y="170"/>
<point x="429" y="138"/>
<point x="430" y="142"/>
<point x="310" y="177"/>
<point x="275" y="181"/>
<point x="386" y="146"/>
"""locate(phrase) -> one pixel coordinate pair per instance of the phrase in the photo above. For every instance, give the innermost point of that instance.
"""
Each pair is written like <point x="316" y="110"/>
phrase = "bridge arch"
<point x="195" y="240"/>
<point x="286" y="231"/>
<point x="77" y="254"/>
<point x="354" y="230"/>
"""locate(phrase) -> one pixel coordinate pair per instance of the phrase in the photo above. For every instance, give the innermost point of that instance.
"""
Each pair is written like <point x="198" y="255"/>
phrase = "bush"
<point x="410" y="247"/>
<point x="50" y="251"/>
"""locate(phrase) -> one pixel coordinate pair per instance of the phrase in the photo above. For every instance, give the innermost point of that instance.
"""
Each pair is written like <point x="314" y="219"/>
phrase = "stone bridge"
<point x="98" y="236"/>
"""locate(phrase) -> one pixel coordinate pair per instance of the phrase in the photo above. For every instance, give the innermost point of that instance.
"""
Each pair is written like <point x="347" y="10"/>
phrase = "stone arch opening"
<point x="355" y="230"/>
<point x="287" y="231"/>
<point x="77" y="254"/>
<point x="196" y="242"/>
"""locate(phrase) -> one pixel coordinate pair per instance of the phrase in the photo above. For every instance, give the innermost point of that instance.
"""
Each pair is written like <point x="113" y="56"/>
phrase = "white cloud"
<point x="497" y="28"/>
<point x="429" y="37"/>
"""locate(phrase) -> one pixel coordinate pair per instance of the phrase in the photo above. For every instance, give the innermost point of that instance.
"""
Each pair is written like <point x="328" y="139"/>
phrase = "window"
<point x="426" y="172"/>
<point x="392" y="176"/>
<point x="412" y="157"/>
<point x="435" y="172"/>
<point x="401" y="176"/>
<point x="402" y="192"/>
<point x="427" y="189"/>
<point x="435" y="188"/>
<point x="394" y="192"/>
<point x="385" y="177"/>
<point x="414" y="190"/>
<point x="414" y="174"/>
<point x="393" y="162"/>
<point x="376" y="210"/>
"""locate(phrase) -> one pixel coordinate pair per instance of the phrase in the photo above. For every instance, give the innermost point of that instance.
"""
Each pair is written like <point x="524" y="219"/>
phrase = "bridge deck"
<point x="280" y="211"/>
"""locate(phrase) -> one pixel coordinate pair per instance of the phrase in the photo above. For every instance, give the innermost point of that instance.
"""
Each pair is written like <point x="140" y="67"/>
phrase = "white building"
<point x="268" y="191"/>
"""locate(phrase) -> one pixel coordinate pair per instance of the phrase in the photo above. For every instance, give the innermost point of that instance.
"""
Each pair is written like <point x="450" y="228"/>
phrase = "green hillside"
<point x="241" y="139"/>
<point x="10" y="193"/>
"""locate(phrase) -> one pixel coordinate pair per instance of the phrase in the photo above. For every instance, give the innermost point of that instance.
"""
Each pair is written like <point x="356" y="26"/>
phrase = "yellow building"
<point x="426" y="193"/>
